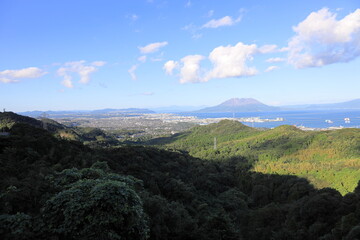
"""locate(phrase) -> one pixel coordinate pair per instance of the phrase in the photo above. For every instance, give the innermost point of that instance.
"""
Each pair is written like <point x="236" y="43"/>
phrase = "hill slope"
<point x="8" y="119"/>
<point x="326" y="158"/>
<point x="91" y="136"/>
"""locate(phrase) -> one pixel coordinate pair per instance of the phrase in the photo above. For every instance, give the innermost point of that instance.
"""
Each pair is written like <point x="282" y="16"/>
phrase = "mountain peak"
<point x="240" y="102"/>
<point x="239" y="105"/>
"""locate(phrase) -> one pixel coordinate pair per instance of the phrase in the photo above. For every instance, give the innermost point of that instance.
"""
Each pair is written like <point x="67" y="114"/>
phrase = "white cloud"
<point x="152" y="47"/>
<point x="31" y="72"/>
<point x="190" y="70"/>
<point x="98" y="63"/>
<point x="7" y="80"/>
<point x="321" y="39"/>
<point x="83" y="71"/>
<point x="271" y="68"/>
<point x="213" y="23"/>
<point x="230" y="61"/>
<point x="275" y="60"/>
<point x="268" y="48"/>
<point x="9" y="76"/>
<point x="67" y="78"/>
<point x="131" y="71"/>
<point x="67" y="81"/>
<point x="227" y="62"/>
<point x="188" y="4"/>
<point x="284" y="49"/>
<point x="142" y="58"/>
<point x="170" y="66"/>
<point x="225" y="21"/>
<point x="80" y="68"/>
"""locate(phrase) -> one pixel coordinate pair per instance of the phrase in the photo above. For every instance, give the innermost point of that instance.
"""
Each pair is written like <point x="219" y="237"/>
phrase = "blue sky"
<point x="68" y="55"/>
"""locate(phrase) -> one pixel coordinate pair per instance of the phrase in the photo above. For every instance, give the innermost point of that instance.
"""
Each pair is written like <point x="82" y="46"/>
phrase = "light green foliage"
<point x="326" y="158"/>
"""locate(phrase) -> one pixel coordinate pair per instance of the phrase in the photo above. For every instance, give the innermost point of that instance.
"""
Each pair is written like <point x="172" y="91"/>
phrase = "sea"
<point x="307" y="119"/>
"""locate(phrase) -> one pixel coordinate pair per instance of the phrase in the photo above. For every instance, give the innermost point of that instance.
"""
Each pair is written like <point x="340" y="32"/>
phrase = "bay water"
<point x="309" y="119"/>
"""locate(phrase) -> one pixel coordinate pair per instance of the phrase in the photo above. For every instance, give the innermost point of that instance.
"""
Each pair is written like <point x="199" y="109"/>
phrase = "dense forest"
<point x="55" y="187"/>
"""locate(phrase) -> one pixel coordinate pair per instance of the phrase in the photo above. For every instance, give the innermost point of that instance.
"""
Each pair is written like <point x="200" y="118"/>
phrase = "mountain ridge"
<point x="239" y="105"/>
<point x="86" y="112"/>
<point x="230" y="105"/>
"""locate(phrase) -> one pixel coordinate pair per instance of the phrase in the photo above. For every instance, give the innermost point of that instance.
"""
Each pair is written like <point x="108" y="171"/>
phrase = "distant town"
<point x="148" y="123"/>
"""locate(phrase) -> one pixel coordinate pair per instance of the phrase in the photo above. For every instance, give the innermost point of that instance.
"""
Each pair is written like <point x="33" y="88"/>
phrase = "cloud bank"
<point x="230" y="61"/>
<point x="321" y="39"/>
<point x="227" y="61"/>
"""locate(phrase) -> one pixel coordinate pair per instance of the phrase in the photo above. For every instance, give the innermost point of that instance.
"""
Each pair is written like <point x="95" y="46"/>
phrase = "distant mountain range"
<point x="106" y="111"/>
<point x="231" y="105"/>
<point x="176" y="109"/>
<point x="239" y="105"/>
<point x="253" y="105"/>
<point x="353" y="104"/>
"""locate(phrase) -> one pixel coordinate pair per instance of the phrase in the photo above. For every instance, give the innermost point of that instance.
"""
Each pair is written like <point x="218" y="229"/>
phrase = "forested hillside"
<point x="326" y="158"/>
<point x="89" y="136"/>
<point x="53" y="188"/>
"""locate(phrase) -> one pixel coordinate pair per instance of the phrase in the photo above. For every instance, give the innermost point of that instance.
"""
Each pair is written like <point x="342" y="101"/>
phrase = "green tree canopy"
<point x="94" y="205"/>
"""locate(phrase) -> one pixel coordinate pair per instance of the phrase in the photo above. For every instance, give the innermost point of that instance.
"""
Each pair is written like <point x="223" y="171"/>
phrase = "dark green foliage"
<point x="169" y="220"/>
<point x="95" y="208"/>
<point x="354" y="234"/>
<point x="17" y="226"/>
<point x="52" y="188"/>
